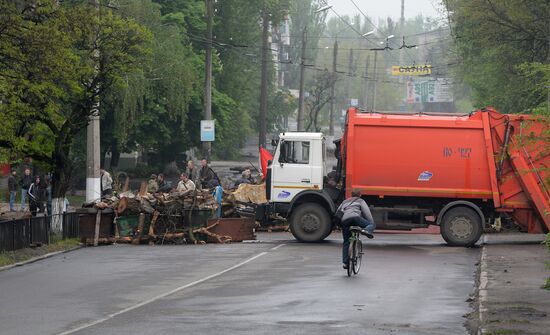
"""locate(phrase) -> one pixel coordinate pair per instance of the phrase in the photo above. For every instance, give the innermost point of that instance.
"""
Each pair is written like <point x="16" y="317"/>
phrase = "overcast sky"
<point x="383" y="8"/>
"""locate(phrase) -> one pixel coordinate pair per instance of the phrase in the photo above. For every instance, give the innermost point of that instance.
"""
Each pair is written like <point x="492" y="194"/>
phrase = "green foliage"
<point x="502" y="45"/>
<point x="230" y="120"/>
<point x="56" y="61"/>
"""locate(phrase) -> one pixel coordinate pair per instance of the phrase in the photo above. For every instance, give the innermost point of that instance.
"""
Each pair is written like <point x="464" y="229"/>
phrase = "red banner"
<point x="264" y="157"/>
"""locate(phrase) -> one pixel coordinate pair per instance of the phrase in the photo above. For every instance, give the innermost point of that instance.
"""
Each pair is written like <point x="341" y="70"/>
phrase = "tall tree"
<point x="49" y="76"/>
<point x="504" y="49"/>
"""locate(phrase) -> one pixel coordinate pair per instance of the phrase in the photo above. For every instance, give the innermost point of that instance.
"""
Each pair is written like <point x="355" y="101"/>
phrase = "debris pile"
<point x="162" y="218"/>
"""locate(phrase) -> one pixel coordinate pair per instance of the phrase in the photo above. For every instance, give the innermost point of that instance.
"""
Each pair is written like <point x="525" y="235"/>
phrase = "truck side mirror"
<point x="273" y="142"/>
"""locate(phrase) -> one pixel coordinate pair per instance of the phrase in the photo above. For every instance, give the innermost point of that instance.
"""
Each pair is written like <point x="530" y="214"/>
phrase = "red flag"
<point x="264" y="157"/>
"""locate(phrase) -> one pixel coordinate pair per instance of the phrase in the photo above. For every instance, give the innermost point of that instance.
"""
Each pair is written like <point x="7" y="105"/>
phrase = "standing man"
<point x="36" y="194"/>
<point x="186" y="185"/>
<point x="106" y="183"/>
<point x="25" y="183"/>
<point x="191" y="170"/>
<point x="206" y="174"/>
<point x="356" y="213"/>
<point x="12" y="188"/>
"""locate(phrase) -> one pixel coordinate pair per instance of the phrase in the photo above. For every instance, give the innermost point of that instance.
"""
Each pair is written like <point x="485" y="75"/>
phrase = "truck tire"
<point x="461" y="226"/>
<point x="310" y="223"/>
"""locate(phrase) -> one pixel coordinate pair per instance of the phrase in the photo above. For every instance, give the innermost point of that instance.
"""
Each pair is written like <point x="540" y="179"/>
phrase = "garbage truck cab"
<point x="295" y="185"/>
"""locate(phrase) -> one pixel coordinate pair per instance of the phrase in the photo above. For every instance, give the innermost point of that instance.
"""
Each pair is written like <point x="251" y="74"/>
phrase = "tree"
<point x="504" y="49"/>
<point x="319" y="96"/>
<point x="150" y="111"/>
<point x="50" y="76"/>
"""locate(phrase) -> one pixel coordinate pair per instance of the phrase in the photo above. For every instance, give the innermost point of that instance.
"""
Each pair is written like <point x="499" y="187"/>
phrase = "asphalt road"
<point x="410" y="284"/>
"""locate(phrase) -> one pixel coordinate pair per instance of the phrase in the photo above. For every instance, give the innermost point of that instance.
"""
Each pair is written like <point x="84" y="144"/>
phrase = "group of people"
<point x="36" y="189"/>
<point x="189" y="181"/>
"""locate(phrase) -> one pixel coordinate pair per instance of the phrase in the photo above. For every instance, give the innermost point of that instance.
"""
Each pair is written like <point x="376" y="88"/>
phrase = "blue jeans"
<point x="346" y="234"/>
<point x="24" y="199"/>
<point x="13" y="194"/>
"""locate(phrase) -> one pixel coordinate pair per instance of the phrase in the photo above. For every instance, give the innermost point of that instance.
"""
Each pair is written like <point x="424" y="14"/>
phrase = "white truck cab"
<point x="295" y="186"/>
<point x="298" y="165"/>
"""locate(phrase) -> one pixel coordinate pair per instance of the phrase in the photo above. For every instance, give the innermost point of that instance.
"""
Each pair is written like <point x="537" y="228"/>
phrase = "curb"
<point x="482" y="289"/>
<point x="39" y="258"/>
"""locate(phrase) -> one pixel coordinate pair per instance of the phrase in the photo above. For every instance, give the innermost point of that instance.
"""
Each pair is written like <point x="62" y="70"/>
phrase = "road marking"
<point x="276" y="247"/>
<point x="176" y="290"/>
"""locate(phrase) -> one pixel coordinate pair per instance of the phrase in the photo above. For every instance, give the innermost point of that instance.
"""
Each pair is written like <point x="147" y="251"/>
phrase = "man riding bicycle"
<point x="356" y="213"/>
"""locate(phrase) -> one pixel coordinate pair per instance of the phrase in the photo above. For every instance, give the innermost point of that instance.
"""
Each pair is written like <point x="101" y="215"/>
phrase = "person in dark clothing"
<point x="206" y="174"/>
<point x="163" y="186"/>
<point x="37" y="195"/>
<point x="48" y="190"/>
<point x="25" y="183"/>
<point x="12" y="188"/>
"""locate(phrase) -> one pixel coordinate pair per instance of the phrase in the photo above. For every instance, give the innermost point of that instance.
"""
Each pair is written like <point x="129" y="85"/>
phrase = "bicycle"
<point x="355" y="250"/>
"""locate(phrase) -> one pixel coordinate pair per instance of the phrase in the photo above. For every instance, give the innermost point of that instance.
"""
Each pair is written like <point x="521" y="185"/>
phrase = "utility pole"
<point x="348" y="82"/>
<point x="375" y="76"/>
<point x="207" y="146"/>
<point x="402" y="33"/>
<point x="263" y="85"/>
<point x="333" y="85"/>
<point x="366" y="88"/>
<point x="301" y="97"/>
<point x="93" y="159"/>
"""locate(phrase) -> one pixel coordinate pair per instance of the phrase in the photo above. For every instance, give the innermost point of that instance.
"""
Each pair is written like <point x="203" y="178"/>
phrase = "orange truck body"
<point x="495" y="159"/>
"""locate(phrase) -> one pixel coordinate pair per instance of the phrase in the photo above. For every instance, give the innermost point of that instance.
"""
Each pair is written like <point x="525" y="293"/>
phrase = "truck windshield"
<point x="295" y="152"/>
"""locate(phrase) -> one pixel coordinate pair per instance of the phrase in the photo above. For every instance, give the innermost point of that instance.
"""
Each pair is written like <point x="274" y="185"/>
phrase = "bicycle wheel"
<point x="351" y="258"/>
<point x="358" y="255"/>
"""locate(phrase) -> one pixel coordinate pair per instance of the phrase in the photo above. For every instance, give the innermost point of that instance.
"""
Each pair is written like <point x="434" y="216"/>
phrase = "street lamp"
<point x="324" y="8"/>
<point x="368" y="33"/>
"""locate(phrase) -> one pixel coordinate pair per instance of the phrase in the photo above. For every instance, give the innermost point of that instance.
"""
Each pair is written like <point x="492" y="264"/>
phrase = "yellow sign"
<point x="411" y="70"/>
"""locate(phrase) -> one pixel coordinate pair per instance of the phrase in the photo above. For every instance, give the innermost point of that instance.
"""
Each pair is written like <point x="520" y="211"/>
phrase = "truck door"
<point x="291" y="172"/>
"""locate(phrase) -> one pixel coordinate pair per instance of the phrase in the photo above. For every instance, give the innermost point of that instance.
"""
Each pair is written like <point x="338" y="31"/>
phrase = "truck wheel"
<point x="461" y="226"/>
<point x="310" y="223"/>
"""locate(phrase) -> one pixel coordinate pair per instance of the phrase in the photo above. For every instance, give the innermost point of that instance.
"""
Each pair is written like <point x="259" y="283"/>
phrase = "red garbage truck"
<point x="460" y="172"/>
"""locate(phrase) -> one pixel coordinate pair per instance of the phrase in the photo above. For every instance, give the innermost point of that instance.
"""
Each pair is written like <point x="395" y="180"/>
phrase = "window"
<point x="295" y="152"/>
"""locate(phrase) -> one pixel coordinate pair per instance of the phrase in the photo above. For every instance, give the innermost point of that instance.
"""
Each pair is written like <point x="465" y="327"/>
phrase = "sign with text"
<point x="430" y="90"/>
<point x="208" y="130"/>
<point x="411" y="70"/>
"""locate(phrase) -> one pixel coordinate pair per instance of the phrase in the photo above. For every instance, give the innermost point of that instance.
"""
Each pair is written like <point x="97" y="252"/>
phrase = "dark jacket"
<point x="26" y="182"/>
<point x="12" y="183"/>
<point x="37" y="193"/>
<point x="206" y="175"/>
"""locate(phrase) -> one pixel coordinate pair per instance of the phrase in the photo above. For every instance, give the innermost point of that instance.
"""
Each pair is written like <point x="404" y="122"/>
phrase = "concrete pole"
<point x="93" y="159"/>
<point x="332" y="88"/>
<point x="375" y="76"/>
<point x="402" y="33"/>
<point x="207" y="146"/>
<point x="348" y="81"/>
<point x="366" y="87"/>
<point x="263" y="84"/>
<point x="301" y="97"/>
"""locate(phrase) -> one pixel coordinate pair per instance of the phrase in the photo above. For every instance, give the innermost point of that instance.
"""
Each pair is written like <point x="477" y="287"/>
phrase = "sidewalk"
<point x="511" y="299"/>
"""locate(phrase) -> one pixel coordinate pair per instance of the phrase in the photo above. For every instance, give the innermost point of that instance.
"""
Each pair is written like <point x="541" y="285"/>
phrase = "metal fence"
<point x="35" y="231"/>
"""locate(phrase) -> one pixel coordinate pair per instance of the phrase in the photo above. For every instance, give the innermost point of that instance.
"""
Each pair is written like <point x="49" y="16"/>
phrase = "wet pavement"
<point x="409" y="284"/>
